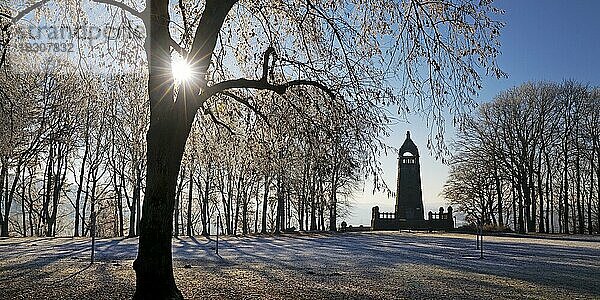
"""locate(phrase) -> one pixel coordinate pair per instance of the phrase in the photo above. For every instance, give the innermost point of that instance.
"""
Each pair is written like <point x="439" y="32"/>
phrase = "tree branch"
<point x="207" y="32"/>
<point x="265" y="66"/>
<point x="178" y="48"/>
<point x="260" y="84"/>
<point x="21" y="14"/>
<point x="246" y="103"/>
<point x="27" y="10"/>
<point x="217" y="121"/>
<point x="122" y="6"/>
<point x="184" y="19"/>
<point x="14" y="20"/>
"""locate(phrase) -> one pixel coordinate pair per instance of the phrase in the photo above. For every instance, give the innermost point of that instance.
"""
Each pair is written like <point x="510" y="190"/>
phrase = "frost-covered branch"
<point x="122" y="6"/>
<point x="262" y="83"/>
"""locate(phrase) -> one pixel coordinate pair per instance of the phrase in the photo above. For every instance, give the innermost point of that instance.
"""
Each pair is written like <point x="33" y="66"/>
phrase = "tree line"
<point x="529" y="159"/>
<point x="74" y="155"/>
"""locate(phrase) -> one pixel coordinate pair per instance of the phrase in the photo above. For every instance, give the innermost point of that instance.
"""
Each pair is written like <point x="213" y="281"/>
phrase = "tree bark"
<point x="170" y="125"/>
<point x="265" y="204"/>
<point x="521" y="222"/>
<point x="30" y="196"/>
<point x="189" y="204"/>
<point x="24" y="225"/>
<point x="82" y="172"/>
<point x="333" y="196"/>
<point x="153" y="265"/>
<point x="166" y="139"/>
<point x="514" y="205"/>
<point x="205" y="221"/>
<point x="133" y="206"/>
<point x="566" y="190"/>
<point x="598" y="185"/>
<point x="279" y="214"/>
<point x="549" y="194"/>
<point x="499" y="197"/>
<point x="313" y="208"/>
<point x="178" y="201"/>
<point x="256" y="197"/>
<point x="540" y="194"/>
<point x="3" y="177"/>
<point x="8" y="201"/>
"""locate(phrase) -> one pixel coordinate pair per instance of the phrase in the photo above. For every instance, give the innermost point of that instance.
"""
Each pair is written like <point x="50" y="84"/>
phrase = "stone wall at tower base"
<point x="388" y="221"/>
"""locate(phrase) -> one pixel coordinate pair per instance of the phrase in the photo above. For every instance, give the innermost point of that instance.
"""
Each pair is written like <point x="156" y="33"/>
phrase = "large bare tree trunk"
<point x="166" y="139"/>
<point x="153" y="265"/>
<point x="170" y="125"/>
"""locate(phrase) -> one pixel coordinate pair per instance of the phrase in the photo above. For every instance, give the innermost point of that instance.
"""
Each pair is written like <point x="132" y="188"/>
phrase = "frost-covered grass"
<point x="353" y="265"/>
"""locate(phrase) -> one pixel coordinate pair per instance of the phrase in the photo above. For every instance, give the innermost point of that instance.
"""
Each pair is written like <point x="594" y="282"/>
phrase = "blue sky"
<point x="546" y="40"/>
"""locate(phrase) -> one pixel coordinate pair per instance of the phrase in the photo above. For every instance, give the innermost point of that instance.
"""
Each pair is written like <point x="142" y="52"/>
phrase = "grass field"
<point x="313" y="266"/>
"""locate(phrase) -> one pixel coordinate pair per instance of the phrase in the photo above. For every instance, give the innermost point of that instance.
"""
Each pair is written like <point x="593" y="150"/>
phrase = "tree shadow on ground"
<point x="318" y="262"/>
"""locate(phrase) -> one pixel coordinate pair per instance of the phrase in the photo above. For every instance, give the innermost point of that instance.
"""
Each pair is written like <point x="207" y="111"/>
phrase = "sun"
<point x="181" y="69"/>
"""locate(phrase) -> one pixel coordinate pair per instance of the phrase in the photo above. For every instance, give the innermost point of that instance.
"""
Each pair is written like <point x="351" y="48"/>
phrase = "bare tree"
<point x="532" y="138"/>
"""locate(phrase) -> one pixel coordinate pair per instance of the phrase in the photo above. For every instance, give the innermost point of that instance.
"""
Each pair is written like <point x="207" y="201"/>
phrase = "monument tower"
<point x="409" y="197"/>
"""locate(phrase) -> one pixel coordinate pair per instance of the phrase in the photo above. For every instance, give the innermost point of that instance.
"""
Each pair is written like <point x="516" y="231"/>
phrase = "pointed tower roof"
<point x="409" y="146"/>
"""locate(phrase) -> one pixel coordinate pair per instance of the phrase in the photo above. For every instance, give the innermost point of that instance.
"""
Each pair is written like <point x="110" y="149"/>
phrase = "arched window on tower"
<point x="408" y="158"/>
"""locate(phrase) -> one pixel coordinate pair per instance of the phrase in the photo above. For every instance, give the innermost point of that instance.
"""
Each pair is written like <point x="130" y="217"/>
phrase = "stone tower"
<point x="409" y="197"/>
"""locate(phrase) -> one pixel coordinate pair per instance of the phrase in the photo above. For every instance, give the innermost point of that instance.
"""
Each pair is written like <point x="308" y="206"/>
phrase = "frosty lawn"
<point x="353" y="265"/>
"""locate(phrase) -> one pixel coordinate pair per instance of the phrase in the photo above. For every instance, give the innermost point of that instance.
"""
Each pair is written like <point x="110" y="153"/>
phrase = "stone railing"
<point x="387" y="221"/>
<point x="441" y="215"/>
